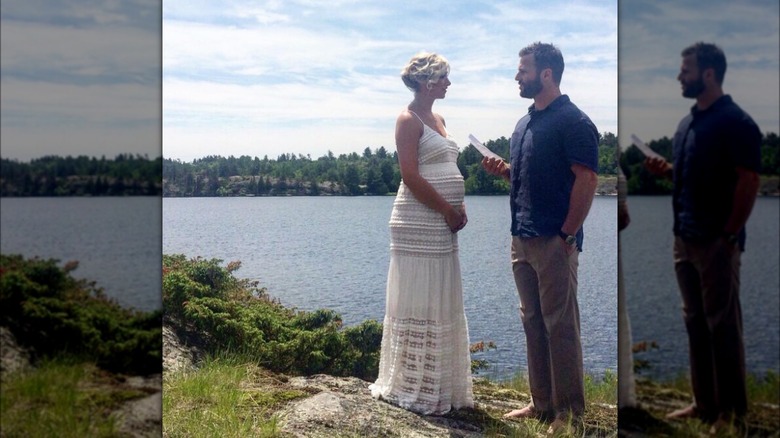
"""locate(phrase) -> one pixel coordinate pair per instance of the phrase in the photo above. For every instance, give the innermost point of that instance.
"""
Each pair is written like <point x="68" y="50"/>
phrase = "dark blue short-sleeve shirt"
<point x="543" y="147"/>
<point x="708" y="147"/>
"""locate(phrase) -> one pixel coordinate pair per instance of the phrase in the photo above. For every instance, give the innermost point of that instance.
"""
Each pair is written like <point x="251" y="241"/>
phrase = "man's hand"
<point x="496" y="167"/>
<point x="568" y="248"/>
<point x="659" y="167"/>
<point x="623" y="218"/>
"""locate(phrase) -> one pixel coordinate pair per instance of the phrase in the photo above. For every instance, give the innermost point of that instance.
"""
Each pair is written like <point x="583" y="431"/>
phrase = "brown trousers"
<point x="708" y="276"/>
<point x="546" y="279"/>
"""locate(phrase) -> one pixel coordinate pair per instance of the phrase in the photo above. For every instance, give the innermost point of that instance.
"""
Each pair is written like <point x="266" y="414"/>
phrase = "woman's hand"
<point x="456" y="218"/>
<point x="464" y="219"/>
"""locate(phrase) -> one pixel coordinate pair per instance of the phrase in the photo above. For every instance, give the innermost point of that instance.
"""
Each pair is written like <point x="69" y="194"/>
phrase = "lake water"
<point x="654" y="302"/>
<point x="333" y="252"/>
<point x="116" y="240"/>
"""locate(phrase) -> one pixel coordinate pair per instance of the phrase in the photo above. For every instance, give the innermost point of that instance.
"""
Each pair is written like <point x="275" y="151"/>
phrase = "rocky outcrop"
<point x="13" y="357"/>
<point x="327" y="406"/>
<point x="142" y="417"/>
<point x="344" y="406"/>
<point x="176" y="355"/>
<point x="607" y="186"/>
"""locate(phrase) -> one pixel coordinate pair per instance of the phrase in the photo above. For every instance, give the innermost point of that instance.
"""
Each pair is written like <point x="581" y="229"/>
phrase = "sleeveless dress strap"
<point x="424" y="125"/>
<point x="418" y="117"/>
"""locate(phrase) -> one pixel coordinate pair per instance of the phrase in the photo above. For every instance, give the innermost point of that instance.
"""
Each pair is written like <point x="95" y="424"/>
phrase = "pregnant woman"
<point x="425" y="365"/>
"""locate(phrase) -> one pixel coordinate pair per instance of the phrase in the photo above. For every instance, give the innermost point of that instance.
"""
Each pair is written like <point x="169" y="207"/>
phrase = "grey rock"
<point x="345" y="408"/>
<point x="142" y="418"/>
<point x="13" y="357"/>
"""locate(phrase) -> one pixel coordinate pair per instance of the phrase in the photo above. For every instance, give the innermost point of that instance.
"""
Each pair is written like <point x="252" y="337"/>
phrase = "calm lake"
<point x="116" y="241"/>
<point x="653" y="299"/>
<point x="333" y="252"/>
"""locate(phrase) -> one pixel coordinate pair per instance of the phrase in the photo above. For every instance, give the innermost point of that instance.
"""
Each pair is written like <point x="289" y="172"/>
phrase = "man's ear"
<point x="708" y="75"/>
<point x="547" y="74"/>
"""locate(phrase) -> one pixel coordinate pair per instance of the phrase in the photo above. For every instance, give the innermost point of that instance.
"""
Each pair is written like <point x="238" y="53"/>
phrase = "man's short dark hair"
<point x="546" y="56"/>
<point x="708" y="56"/>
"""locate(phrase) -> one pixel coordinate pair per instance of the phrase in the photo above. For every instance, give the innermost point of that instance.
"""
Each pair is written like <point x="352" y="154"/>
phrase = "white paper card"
<point x="645" y="149"/>
<point x="483" y="149"/>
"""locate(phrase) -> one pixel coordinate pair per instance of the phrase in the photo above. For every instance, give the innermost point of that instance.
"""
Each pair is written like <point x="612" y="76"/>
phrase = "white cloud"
<point x="326" y="77"/>
<point x="650" y="44"/>
<point x="80" y="79"/>
<point x="313" y="75"/>
<point x="34" y="48"/>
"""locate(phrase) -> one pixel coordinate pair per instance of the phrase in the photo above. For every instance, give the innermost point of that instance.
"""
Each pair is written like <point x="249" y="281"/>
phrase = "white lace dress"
<point x="425" y="365"/>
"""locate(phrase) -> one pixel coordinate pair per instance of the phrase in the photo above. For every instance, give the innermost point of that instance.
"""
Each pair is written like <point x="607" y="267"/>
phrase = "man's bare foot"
<point x="560" y="427"/>
<point x="728" y="425"/>
<point x="686" y="412"/>
<point x="720" y="427"/>
<point x="526" y="412"/>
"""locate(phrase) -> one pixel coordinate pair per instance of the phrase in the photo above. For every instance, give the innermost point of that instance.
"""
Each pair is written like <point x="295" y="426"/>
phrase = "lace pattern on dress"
<point x="425" y="365"/>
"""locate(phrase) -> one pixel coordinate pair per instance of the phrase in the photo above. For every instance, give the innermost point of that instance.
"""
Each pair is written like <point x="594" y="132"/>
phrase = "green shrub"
<point x="55" y="314"/>
<point x="229" y="314"/>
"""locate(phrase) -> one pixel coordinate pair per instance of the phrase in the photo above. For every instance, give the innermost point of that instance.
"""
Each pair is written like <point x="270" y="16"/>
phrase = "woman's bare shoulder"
<point x="407" y="120"/>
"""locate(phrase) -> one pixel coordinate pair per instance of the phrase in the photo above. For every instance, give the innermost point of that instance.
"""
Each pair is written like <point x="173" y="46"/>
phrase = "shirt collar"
<point x="555" y="104"/>
<point x="720" y="102"/>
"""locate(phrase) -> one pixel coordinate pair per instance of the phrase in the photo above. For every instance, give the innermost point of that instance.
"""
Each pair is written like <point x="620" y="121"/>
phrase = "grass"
<point x="597" y="390"/>
<point x="61" y="398"/>
<point x="764" y="389"/>
<point x="763" y="418"/>
<point x="600" y="418"/>
<point x="225" y="397"/>
<point x="232" y="396"/>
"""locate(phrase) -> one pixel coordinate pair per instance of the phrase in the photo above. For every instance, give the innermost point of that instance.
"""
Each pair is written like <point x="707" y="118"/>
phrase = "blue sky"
<point x="652" y="35"/>
<point x="80" y="77"/>
<point x="306" y="77"/>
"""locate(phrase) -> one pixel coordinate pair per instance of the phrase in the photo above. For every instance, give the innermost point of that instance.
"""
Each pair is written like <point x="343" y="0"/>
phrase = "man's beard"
<point x="693" y="89"/>
<point x="531" y="88"/>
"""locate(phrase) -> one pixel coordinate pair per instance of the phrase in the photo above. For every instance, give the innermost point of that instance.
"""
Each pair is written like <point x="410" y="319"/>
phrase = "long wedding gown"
<point x="425" y="365"/>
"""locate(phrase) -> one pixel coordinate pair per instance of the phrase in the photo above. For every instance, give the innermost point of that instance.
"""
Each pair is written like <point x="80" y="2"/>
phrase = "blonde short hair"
<point x="424" y="68"/>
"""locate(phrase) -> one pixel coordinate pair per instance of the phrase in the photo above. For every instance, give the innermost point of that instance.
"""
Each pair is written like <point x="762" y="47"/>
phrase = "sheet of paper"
<point x="645" y="149"/>
<point x="483" y="149"/>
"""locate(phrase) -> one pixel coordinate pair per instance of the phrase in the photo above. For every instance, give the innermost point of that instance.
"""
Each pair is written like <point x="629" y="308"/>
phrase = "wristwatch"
<point x="732" y="239"/>
<point x="568" y="238"/>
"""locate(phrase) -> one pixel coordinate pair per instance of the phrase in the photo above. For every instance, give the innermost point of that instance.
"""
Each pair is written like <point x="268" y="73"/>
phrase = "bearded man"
<point x="552" y="175"/>
<point x="715" y="169"/>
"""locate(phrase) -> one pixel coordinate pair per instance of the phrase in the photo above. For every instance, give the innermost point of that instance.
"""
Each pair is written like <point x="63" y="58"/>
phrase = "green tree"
<point x="351" y="180"/>
<point x="770" y="154"/>
<point x="348" y="174"/>
<point x="314" y="187"/>
<point x="608" y="146"/>
<point x="374" y="183"/>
